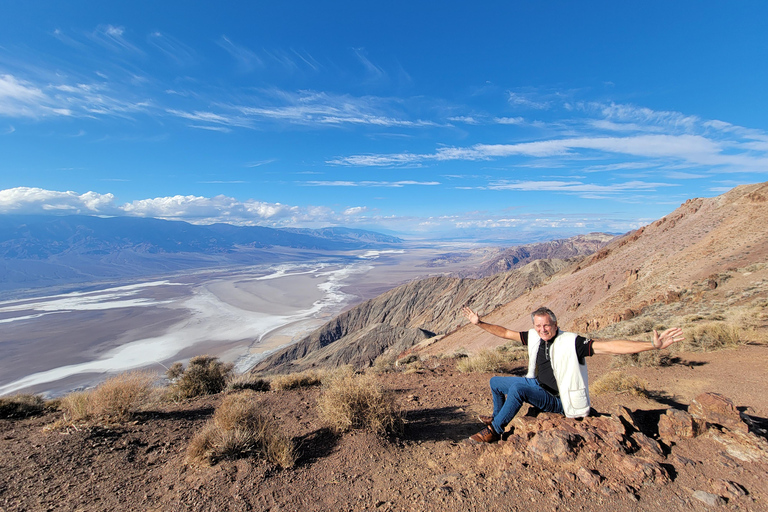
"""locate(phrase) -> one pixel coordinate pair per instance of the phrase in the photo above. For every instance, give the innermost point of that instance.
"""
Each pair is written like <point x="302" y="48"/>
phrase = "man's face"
<point x="545" y="328"/>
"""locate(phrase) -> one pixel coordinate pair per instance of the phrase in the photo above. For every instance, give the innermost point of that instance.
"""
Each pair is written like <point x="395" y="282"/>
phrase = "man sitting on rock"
<point x="557" y="371"/>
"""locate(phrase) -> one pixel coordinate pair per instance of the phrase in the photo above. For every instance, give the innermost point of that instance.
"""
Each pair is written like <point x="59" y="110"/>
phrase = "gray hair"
<point x="544" y="311"/>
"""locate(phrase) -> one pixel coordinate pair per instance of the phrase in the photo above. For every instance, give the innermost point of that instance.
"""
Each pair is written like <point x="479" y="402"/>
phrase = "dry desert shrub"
<point x="303" y="379"/>
<point x="204" y="375"/>
<point x="618" y="382"/>
<point x="119" y="397"/>
<point x="21" y="406"/>
<point x="115" y="399"/>
<point x="243" y="381"/>
<point x="711" y="336"/>
<point x="502" y="359"/>
<point x="650" y="358"/>
<point x="349" y="401"/>
<point x="76" y="406"/>
<point x="384" y="363"/>
<point x="238" y="428"/>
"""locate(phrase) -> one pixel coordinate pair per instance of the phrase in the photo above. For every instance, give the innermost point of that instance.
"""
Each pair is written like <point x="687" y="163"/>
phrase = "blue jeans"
<point x="509" y="394"/>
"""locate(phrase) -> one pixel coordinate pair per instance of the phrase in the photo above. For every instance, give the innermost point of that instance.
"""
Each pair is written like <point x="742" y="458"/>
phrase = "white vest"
<point x="571" y="376"/>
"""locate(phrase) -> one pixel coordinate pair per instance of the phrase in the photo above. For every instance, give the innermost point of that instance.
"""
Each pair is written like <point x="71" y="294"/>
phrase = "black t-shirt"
<point x="544" y="373"/>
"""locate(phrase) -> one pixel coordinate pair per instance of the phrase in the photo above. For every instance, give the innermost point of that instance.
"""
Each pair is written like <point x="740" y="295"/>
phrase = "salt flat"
<point x="55" y="343"/>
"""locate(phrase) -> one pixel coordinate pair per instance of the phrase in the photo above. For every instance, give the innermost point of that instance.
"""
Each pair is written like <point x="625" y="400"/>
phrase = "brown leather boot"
<point x="485" y="420"/>
<point x="487" y="435"/>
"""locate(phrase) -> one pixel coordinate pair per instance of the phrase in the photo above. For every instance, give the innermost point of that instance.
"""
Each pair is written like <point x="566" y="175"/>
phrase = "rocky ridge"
<point x="402" y="317"/>
<point x="705" y="258"/>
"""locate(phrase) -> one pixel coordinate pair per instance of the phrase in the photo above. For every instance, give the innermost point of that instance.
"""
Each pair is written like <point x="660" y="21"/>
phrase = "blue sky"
<point x="416" y="117"/>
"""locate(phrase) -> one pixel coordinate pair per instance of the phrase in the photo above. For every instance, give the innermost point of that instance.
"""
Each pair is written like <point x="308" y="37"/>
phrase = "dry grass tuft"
<point x="238" y="429"/>
<point x="384" y="363"/>
<point x="619" y="382"/>
<point x="76" y="406"/>
<point x="303" y="379"/>
<point x="247" y="381"/>
<point x="204" y="375"/>
<point x="21" y="406"/>
<point x="503" y="359"/>
<point x="711" y="336"/>
<point x="350" y="401"/>
<point x="116" y="399"/>
<point x="648" y="359"/>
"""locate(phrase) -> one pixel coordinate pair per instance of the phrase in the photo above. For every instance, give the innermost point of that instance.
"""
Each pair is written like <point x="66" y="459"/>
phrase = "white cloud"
<point x="19" y="98"/>
<point x="575" y="187"/>
<point x="526" y="101"/>
<point x="28" y="200"/>
<point x="356" y="210"/>
<point x="194" y="209"/>
<point x="509" y="120"/>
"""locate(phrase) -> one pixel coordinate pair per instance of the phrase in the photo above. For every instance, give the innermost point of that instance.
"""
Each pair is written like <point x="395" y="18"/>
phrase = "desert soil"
<point x="141" y="465"/>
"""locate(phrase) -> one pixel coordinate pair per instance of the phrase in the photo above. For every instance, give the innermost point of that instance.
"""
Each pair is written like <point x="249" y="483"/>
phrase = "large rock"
<point x="676" y="424"/>
<point x="624" y="457"/>
<point x="717" y="409"/>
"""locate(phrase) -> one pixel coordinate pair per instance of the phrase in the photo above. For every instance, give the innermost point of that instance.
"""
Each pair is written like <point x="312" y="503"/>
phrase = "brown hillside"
<point x="707" y="257"/>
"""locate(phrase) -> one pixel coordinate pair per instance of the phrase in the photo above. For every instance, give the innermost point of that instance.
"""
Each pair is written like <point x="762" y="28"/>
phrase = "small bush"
<point x="618" y="382"/>
<point x="115" y="399"/>
<point x="648" y="359"/>
<point x="247" y="381"/>
<point x="21" y="406"/>
<point x="384" y="363"/>
<point x="711" y="336"/>
<point x="119" y="397"/>
<point x="204" y="375"/>
<point x="76" y="406"/>
<point x="296" y="380"/>
<point x="350" y="401"/>
<point x="499" y="360"/>
<point x="239" y="429"/>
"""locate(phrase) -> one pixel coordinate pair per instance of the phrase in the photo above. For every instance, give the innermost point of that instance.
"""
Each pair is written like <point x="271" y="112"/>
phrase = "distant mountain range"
<point x="38" y="250"/>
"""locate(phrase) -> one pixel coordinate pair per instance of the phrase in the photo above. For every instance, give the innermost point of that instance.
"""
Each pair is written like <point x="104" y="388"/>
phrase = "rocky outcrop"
<point x="402" y="317"/>
<point x="610" y="453"/>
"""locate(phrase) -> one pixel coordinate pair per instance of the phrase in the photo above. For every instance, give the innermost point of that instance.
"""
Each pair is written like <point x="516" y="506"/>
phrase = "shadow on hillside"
<point x="666" y="399"/>
<point x="677" y="361"/>
<point x="186" y="414"/>
<point x="315" y="445"/>
<point x="440" y="424"/>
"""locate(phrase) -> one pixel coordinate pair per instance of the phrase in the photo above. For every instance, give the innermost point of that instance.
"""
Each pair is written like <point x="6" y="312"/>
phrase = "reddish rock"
<point x="728" y="489"/>
<point x="554" y="445"/>
<point x="588" y="478"/>
<point x="717" y="409"/>
<point x="648" y="447"/>
<point x="642" y="471"/>
<point x="622" y="414"/>
<point x="676" y="424"/>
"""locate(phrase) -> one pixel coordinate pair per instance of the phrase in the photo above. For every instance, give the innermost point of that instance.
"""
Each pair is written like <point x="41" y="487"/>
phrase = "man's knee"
<point x="505" y="384"/>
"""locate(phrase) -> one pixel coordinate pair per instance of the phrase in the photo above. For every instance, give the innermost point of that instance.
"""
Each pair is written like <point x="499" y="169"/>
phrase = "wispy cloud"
<point x="173" y="49"/>
<point x="246" y="59"/>
<point x="113" y="38"/>
<point x="524" y="100"/>
<point x="394" y="184"/>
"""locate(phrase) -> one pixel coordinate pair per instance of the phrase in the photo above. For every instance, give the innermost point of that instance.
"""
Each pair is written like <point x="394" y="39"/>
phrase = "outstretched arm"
<point x="496" y="330"/>
<point x="660" y="341"/>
